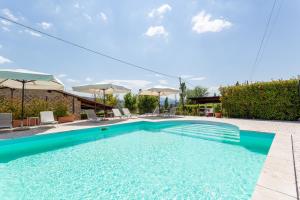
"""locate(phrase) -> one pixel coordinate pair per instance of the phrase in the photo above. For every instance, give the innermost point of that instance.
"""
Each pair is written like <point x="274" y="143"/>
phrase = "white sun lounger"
<point x="127" y="113"/>
<point x="117" y="113"/>
<point x="47" y="117"/>
<point x="171" y="113"/>
<point x="5" y="120"/>
<point x="91" y="115"/>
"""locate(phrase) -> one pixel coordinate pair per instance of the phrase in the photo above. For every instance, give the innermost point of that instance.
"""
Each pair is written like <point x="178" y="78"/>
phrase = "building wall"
<point x="45" y="95"/>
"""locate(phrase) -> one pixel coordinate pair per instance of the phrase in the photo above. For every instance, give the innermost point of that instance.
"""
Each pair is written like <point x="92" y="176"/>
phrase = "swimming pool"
<point x="141" y="160"/>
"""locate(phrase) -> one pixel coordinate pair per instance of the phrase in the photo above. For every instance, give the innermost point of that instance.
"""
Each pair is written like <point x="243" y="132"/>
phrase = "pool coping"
<point x="277" y="179"/>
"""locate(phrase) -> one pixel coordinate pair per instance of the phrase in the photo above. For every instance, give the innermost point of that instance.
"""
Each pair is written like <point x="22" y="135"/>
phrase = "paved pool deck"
<point x="281" y="171"/>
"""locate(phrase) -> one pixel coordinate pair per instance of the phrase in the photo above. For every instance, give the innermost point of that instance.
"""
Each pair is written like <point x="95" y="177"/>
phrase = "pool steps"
<point x="210" y="132"/>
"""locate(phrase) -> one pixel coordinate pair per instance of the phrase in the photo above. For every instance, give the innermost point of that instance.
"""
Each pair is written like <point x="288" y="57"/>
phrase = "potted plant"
<point x="61" y="112"/>
<point x="218" y="111"/>
<point x="13" y="106"/>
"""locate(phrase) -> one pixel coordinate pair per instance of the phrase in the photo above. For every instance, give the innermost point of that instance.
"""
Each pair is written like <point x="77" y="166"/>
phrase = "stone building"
<point x="75" y="103"/>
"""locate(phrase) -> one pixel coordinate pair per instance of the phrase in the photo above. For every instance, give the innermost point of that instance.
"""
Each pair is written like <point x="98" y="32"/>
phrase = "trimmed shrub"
<point x="275" y="100"/>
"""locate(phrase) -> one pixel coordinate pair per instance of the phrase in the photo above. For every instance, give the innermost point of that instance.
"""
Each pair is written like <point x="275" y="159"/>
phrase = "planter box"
<point x="66" y="119"/>
<point x="218" y="115"/>
<point x="32" y="122"/>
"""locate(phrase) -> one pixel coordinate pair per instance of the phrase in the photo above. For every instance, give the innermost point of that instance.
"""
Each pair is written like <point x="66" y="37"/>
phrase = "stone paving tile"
<point x="262" y="193"/>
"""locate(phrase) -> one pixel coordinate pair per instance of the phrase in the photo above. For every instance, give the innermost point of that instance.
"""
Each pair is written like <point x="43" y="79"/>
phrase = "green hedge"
<point x="275" y="100"/>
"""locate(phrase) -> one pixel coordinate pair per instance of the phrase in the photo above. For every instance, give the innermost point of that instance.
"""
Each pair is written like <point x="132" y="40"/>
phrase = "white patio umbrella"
<point x="160" y="91"/>
<point x="105" y="88"/>
<point x="25" y="79"/>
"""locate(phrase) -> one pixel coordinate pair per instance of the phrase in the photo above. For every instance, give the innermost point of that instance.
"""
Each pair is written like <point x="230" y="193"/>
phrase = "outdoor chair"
<point x="91" y="115"/>
<point x="117" y="113"/>
<point x="5" y="120"/>
<point x="209" y="112"/>
<point x="172" y="112"/>
<point x="47" y="117"/>
<point x="127" y="113"/>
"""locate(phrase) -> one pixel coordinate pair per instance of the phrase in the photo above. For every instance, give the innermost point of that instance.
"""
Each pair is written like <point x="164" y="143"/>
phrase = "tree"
<point x="182" y="88"/>
<point x="130" y="102"/>
<point x="166" y="104"/>
<point x="110" y="100"/>
<point x="198" y="91"/>
<point x="146" y="104"/>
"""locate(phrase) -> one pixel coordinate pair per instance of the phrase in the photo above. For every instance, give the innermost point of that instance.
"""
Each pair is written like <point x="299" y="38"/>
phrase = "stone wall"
<point x="46" y="95"/>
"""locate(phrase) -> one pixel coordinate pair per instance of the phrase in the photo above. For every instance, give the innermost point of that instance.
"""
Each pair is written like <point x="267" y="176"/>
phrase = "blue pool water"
<point x="144" y="160"/>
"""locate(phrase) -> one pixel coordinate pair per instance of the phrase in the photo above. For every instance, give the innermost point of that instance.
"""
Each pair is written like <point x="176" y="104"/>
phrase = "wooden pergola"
<point x="204" y="100"/>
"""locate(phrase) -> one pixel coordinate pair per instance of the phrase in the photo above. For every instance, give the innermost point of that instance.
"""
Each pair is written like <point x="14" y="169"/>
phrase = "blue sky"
<point x="208" y="42"/>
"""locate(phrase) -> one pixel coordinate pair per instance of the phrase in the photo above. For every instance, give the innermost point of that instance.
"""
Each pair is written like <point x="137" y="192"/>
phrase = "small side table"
<point x="36" y="120"/>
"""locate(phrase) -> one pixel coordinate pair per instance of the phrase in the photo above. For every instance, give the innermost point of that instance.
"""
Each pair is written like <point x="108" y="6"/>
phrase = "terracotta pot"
<point x="18" y="122"/>
<point x="65" y="119"/>
<point x="218" y="115"/>
<point x="32" y="122"/>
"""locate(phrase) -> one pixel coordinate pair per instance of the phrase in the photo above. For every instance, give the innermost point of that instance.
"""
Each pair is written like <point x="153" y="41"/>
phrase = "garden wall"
<point x="43" y="95"/>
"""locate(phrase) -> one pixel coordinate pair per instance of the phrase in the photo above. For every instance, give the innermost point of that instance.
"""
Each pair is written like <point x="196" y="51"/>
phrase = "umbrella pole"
<point x="158" y="102"/>
<point x="95" y="106"/>
<point x="22" y="109"/>
<point x="104" y="103"/>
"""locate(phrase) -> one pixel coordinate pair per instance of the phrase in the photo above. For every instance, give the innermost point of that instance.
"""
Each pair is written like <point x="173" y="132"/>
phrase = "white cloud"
<point x="88" y="17"/>
<point x="88" y="79"/>
<point x="156" y="31"/>
<point x="70" y="80"/>
<point x="45" y="25"/>
<point x="132" y="84"/>
<point x="164" y="82"/>
<point x="35" y="34"/>
<point x="57" y="9"/>
<point x="76" y="5"/>
<point x="4" y="22"/>
<point x="214" y="90"/>
<point x="160" y="11"/>
<point x="186" y="76"/>
<point x="198" y="78"/>
<point x="1" y="46"/>
<point x="202" y="23"/>
<point x="61" y="75"/>
<point x="4" y="28"/>
<point x="4" y="60"/>
<point x="193" y="78"/>
<point x="103" y="16"/>
<point x="7" y="13"/>
<point x="164" y="86"/>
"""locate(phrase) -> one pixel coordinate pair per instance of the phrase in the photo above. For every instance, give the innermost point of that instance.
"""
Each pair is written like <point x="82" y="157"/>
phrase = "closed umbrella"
<point x="25" y="79"/>
<point x="105" y="88"/>
<point x="160" y="91"/>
